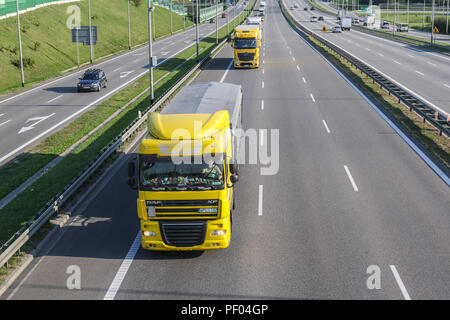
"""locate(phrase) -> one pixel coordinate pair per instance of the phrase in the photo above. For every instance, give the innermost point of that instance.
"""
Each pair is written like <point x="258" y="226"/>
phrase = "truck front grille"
<point x="183" y="233"/>
<point x="246" y="56"/>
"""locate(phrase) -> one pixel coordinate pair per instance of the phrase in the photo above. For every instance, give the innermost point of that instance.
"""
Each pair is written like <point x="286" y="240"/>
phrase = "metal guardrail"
<point x="16" y="242"/>
<point x="438" y="120"/>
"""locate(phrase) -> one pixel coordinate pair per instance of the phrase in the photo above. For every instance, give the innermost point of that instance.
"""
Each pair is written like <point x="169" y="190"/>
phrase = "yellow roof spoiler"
<point x="186" y="126"/>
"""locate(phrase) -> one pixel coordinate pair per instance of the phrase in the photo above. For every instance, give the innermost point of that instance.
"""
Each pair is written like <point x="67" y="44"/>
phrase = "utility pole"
<point x="20" y="45"/>
<point x="432" y="23"/>
<point x="90" y="35"/>
<point x="150" y="54"/>
<point x="423" y="16"/>
<point x="217" y="23"/>
<point x="446" y="27"/>
<point x="196" y="28"/>
<point x="129" y="30"/>
<point x="407" y="14"/>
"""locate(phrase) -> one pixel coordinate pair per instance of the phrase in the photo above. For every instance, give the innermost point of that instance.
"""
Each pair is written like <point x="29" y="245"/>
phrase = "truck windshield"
<point x="162" y="174"/>
<point x="245" y="43"/>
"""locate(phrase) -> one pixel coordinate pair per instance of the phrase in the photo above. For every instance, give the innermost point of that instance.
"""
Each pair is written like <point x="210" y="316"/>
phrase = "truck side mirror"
<point x="234" y="178"/>
<point x="131" y="169"/>
<point x="233" y="168"/>
<point x="132" y="183"/>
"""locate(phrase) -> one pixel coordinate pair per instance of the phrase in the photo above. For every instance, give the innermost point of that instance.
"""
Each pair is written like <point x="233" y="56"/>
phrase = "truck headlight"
<point x="149" y="233"/>
<point x="219" y="232"/>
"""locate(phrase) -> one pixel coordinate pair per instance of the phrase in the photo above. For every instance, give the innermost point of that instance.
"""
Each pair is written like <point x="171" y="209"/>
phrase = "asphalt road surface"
<point x="350" y="197"/>
<point x="425" y="73"/>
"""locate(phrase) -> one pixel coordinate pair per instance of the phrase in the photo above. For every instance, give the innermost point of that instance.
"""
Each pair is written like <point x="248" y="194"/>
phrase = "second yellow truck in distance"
<point x="246" y="43"/>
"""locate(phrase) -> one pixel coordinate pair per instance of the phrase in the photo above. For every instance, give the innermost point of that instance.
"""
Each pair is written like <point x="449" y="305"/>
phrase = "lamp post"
<point x="129" y="29"/>
<point x="196" y="27"/>
<point x="217" y="23"/>
<point x="20" y="45"/>
<point x="90" y="35"/>
<point x="432" y="23"/>
<point x="150" y="55"/>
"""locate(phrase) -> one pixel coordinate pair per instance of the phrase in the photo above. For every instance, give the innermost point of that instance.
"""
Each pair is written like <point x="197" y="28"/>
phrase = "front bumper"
<point x="210" y="243"/>
<point x="246" y="64"/>
<point x="86" y="89"/>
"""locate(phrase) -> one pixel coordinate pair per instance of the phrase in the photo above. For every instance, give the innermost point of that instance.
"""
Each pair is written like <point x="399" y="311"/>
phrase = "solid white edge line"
<point x="260" y="200"/>
<point x="262" y="84"/>
<point x="304" y="80"/>
<point x="326" y="127"/>
<point x="355" y="187"/>
<point x="262" y="104"/>
<point x="424" y="157"/>
<point x="312" y="97"/>
<point x="121" y="273"/>
<point x="226" y="72"/>
<point x="400" y="282"/>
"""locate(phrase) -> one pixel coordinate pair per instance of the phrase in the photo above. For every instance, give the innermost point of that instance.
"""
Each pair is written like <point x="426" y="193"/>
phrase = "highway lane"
<point x="427" y="74"/>
<point x="413" y="32"/>
<point x="350" y="194"/>
<point x="29" y="117"/>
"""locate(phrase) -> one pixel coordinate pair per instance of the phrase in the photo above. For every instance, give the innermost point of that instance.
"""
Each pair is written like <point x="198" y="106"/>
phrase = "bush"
<point x="27" y="63"/>
<point x="136" y="3"/>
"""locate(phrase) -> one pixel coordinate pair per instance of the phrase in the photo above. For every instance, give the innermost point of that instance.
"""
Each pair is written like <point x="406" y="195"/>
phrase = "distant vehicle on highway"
<point x="385" y="25"/>
<point x="346" y="23"/>
<point x="336" y="29"/>
<point x="369" y="20"/>
<point x="212" y="20"/>
<point x="320" y="18"/>
<point x="92" y="80"/>
<point x="224" y="14"/>
<point x="312" y="8"/>
<point x="402" y="27"/>
<point x="314" y="19"/>
<point x="305" y="8"/>
<point x="295" y="6"/>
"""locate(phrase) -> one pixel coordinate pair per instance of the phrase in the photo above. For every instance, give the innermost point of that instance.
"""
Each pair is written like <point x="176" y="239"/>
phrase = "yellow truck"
<point x="246" y="43"/>
<point x="186" y="169"/>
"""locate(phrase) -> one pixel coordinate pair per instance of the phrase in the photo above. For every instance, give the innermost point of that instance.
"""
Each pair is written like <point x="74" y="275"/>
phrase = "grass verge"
<point x="47" y="43"/>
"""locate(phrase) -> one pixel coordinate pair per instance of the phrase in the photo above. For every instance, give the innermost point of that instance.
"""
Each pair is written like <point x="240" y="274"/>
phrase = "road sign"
<point x="81" y="34"/>
<point x="324" y="29"/>
<point x="435" y="30"/>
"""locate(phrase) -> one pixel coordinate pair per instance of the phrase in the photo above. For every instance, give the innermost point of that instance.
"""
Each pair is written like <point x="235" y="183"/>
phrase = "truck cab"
<point x="186" y="170"/>
<point x="246" y="43"/>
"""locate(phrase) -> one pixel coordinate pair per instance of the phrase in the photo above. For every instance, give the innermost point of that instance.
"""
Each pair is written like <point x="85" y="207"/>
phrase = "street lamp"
<point x="20" y="45"/>
<point x="90" y="34"/>
<point x="150" y="55"/>
<point x="196" y="28"/>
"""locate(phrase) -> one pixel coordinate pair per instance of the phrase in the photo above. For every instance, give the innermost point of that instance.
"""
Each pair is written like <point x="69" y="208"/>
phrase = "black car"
<point x="320" y="18"/>
<point x="92" y="80"/>
<point x="312" y="8"/>
<point x="305" y="8"/>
